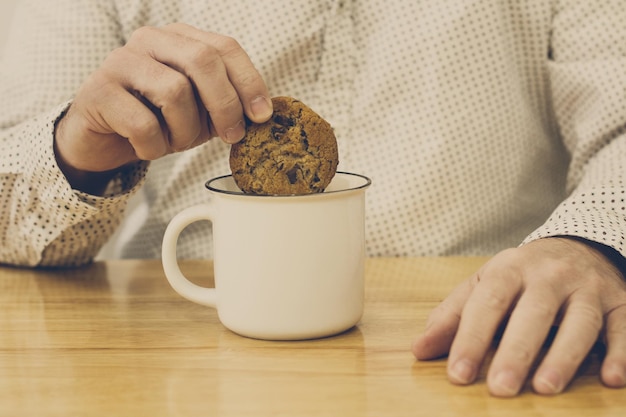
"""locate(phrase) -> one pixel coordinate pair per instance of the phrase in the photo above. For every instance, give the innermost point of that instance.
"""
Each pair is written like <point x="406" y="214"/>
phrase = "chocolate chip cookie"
<point x="295" y="152"/>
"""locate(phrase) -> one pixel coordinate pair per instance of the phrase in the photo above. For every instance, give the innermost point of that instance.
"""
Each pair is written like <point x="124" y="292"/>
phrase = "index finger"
<point x="245" y="87"/>
<point x="486" y="308"/>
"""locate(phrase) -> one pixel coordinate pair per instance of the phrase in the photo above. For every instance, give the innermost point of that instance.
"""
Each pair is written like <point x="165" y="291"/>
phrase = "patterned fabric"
<point x="482" y="124"/>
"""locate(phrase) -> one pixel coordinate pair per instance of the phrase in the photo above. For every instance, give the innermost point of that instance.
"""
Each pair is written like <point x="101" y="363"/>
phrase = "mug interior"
<point x="342" y="181"/>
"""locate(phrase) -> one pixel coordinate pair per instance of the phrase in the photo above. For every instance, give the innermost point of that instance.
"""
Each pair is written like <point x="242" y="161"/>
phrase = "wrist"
<point x="90" y="182"/>
<point x="94" y="183"/>
<point x="607" y="252"/>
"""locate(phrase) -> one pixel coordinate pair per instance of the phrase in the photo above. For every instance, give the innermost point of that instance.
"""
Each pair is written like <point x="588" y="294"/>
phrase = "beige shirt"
<point x="481" y="123"/>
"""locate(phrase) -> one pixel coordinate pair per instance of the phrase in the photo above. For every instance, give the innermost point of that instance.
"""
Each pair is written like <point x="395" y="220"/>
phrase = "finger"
<point x="525" y="333"/>
<point x="223" y="74"/>
<point x="245" y="78"/>
<point x="579" y="330"/>
<point x="485" y="309"/>
<point x="120" y="112"/>
<point x="169" y="92"/>
<point x="613" y="372"/>
<point x="442" y="325"/>
<point x="203" y="65"/>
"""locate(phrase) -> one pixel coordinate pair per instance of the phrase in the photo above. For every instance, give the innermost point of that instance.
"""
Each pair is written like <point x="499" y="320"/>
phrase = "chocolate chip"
<point x="283" y="120"/>
<point x="278" y="132"/>
<point x="292" y="174"/>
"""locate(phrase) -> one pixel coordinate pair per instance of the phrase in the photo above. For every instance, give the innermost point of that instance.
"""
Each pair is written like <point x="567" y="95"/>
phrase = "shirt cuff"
<point x="67" y="226"/>
<point x="598" y="216"/>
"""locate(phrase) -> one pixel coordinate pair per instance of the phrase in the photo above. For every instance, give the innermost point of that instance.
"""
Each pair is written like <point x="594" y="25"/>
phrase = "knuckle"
<point x="511" y="256"/>
<point x="115" y="54"/>
<point x="143" y="133"/>
<point x="177" y="26"/>
<point x="178" y="88"/>
<point x="520" y="352"/>
<point x="116" y="57"/>
<point x="148" y="153"/>
<point x="475" y="280"/>
<point x="558" y="269"/>
<point x="229" y="102"/>
<point x="587" y="315"/>
<point x="571" y="358"/>
<point x="222" y="107"/>
<point x="496" y="299"/>
<point x="247" y="78"/>
<point x="96" y="81"/>
<point x="442" y="312"/>
<point x="229" y="45"/>
<point x="182" y="142"/>
<point x="616" y="323"/>
<point x="508" y="264"/>
<point x="142" y="33"/>
<point x="544" y="312"/>
<point x="475" y="339"/>
<point x="145" y="128"/>
<point x="203" y="57"/>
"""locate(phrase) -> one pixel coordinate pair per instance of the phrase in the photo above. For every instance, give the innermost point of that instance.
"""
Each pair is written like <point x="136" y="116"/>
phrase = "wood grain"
<point x="113" y="339"/>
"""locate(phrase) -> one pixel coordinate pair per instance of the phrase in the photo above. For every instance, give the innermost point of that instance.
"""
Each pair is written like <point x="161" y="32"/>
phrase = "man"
<point x="477" y="121"/>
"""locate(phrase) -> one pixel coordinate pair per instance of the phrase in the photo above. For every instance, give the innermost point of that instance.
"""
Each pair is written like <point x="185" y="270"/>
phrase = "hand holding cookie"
<point x="294" y="152"/>
<point x="166" y="90"/>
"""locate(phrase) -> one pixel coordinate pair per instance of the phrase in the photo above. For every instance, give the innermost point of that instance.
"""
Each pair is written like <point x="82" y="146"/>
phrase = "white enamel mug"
<point x="285" y="267"/>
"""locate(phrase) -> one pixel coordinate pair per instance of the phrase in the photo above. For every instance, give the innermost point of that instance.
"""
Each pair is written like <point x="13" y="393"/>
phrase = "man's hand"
<point x="536" y="286"/>
<point x="168" y="89"/>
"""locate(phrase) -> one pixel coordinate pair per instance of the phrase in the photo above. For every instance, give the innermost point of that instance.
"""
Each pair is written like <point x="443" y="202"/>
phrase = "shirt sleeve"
<point x="52" y="47"/>
<point x="588" y="85"/>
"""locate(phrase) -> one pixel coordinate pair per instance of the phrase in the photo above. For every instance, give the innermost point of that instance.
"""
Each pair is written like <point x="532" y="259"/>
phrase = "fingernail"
<point x="548" y="382"/>
<point x="261" y="108"/>
<point x="462" y="372"/>
<point x="614" y="375"/>
<point x="236" y="133"/>
<point x="505" y="384"/>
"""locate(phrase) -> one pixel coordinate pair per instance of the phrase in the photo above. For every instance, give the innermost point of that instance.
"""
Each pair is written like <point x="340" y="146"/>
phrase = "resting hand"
<point x="168" y="89"/>
<point x="550" y="281"/>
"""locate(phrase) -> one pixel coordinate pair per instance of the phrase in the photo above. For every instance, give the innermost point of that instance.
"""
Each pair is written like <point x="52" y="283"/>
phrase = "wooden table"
<point x="113" y="339"/>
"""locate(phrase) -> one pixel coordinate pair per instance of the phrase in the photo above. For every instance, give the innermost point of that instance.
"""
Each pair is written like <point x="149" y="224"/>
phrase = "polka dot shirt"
<point x="483" y="125"/>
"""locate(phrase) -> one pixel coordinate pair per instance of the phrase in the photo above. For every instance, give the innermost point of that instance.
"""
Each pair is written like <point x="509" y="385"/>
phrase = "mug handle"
<point x="178" y="281"/>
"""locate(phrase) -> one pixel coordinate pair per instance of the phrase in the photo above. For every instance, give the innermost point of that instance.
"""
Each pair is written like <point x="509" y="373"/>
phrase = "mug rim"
<point x="367" y="183"/>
